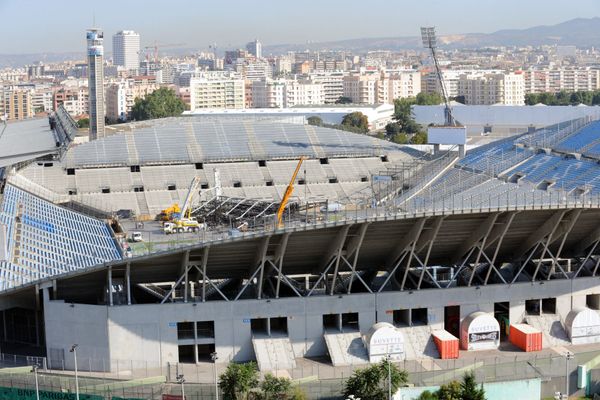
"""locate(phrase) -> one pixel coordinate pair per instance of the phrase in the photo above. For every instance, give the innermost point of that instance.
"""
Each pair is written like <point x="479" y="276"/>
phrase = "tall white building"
<point x="255" y="48"/>
<point x="126" y="50"/>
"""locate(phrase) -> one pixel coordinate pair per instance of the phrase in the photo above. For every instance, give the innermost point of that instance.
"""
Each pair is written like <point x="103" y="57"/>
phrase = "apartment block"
<point x="218" y="91"/>
<point x="489" y="89"/>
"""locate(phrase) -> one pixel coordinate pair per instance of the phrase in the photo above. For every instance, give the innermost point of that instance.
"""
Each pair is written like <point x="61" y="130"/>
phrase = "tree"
<point x="356" y="120"/>
<point x="371" y="383"/>
<point x="427" y="395"/>
<point x="450" y="391"/>
<point x="344" y="100"/>
<point x="315" y="121"/>
<point x="403" y="115"/>
<point x="399" y="138"/>
<point x="276" y="388"/>
<point x="429" y="99"/>
<point x="419" y="138"/>
<point x="393" y="128"/>
<point x="161" y="103"/>
<point x="83" y="123"/>
<point x="469" y="389"/>
<point x="238" y="380"/>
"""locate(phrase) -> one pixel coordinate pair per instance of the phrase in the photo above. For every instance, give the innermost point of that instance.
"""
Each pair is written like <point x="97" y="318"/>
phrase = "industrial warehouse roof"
<point x="191" y="140"/>
<point x="24" y="140"/>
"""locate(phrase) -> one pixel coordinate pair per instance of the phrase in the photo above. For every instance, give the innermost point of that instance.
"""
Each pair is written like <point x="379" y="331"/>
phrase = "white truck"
<point x="183" y="225"/>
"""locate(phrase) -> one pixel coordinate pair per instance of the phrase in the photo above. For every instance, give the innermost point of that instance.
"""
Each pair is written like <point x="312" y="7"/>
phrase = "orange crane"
<point x="288" y="194"/>
<point x="155" y="48"/>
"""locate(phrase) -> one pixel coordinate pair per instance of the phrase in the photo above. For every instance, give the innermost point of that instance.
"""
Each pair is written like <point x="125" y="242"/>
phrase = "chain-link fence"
<point x="316" y="377"/>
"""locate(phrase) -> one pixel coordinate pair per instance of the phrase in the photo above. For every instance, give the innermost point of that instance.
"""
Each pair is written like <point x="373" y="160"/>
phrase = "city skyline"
<point x="273" y="23"/>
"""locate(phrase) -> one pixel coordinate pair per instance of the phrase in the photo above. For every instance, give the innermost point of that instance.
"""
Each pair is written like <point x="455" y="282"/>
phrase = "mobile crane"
<point x="288" y="193"/>
<point x="184" y="222"/>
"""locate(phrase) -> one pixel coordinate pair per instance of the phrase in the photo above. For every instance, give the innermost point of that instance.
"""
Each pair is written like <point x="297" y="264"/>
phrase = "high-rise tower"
<point x="95" y="55"/>
<point x="126" y="50"/>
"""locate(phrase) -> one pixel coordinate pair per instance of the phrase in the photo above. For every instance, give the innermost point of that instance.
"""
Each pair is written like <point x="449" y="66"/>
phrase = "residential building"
<point x="398" y="85"/>
<point x="74" y="100"/>
<point x="362" y="89"/>
<point x="303" y="93"/>
<point x="95" y="56"/>
<point x="492" y="89"/>
<point x="430" y="82"/>
<point x="555" y="79"/>
<point x="126" y="50"/>
<point x="268" y="93"/>
<point x="214" y="90"/>
<point x="332" y="82"/>
<point x="120" y="96"/>
<point x="16" y="103"/>
<point x="257" y="70"/>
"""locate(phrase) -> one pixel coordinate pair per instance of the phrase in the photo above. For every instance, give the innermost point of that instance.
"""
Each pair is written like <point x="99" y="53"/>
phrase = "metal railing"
<point x="317" y="378"/>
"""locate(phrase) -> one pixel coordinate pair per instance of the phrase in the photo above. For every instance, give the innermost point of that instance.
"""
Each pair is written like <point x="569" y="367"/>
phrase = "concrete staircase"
<point x="273" y="353"/>
<point x="346" y="348"/>
<point x="552" y="329"/>
<point x="418" y="343"/>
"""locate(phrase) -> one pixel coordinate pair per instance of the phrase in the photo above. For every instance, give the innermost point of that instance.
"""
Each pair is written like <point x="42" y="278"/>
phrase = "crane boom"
<point x="288" y="193"/>
<point x="188" y="199"/>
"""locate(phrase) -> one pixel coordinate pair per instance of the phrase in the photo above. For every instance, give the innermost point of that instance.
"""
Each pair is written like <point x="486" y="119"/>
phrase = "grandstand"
<point x="150" y="166"/>
<point x="423" y="242"/>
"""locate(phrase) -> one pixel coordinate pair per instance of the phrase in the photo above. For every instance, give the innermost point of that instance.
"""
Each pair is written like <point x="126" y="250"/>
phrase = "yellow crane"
<point x="288" y="193"/>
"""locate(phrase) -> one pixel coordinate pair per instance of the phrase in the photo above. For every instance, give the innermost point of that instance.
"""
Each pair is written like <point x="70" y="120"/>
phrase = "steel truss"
<point x="475" y="262"/>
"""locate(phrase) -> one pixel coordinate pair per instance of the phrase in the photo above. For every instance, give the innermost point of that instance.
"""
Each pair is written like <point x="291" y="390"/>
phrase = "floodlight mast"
<point x="430" y="42"/>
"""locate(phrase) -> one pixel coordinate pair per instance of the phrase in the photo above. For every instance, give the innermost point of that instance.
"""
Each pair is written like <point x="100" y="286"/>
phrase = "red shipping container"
<point x="446" y="343"/>
<point x="525" y="337"/>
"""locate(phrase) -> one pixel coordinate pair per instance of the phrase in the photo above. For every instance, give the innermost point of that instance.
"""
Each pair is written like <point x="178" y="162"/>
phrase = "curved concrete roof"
<point x="191" y="140"/>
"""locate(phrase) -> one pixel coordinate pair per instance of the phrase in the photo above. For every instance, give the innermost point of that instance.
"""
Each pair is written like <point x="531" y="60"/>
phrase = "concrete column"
<point x="516" y="311"/>
<point x="195" y="342"/>
<point x="128" y="283"/>
<point x="110" y="291"/>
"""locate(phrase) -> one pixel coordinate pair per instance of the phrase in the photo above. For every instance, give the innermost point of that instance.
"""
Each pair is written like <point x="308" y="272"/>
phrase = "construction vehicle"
<point x="183" y="225"/>
<point x="182" y="221"/>
<point x="169" y="214"/>
<point x="288" y="193"/>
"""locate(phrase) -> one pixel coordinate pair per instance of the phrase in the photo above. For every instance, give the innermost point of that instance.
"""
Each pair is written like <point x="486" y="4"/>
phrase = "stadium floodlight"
<point x="430" y="42"/>
<point x="428" y="36"/>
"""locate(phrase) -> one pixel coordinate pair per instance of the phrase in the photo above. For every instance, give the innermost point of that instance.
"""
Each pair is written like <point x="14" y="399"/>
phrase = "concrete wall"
<point x="82" y="324"/>
<point x="148" y="332"/>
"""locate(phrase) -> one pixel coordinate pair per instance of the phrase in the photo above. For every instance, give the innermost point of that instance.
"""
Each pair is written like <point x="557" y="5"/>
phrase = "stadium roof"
<point x="24" y="140"/>
<point x="182" y="140"/>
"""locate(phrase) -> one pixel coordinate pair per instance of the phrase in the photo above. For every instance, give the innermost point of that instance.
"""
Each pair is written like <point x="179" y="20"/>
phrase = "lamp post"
<point x="74" y="351"/>
<point x="388" y="358"/>
<point x="214" y="358"/>
<point x="569" y="357"/>
<point x="181" y="381"/>
<point x="34" y="369"/>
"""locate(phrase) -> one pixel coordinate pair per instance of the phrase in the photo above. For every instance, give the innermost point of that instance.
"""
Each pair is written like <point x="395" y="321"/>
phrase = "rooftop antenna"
<point x="430" y="42"/>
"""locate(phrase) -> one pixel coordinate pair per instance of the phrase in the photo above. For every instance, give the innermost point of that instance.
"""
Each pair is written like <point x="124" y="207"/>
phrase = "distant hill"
<point x="582" y="32"/>
<point x="20" y="60"/>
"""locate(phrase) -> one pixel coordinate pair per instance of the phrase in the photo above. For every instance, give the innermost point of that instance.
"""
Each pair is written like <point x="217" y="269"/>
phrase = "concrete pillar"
<point x="435" y="317"/>
<point x="516" y="311"/>
<point x="563" y="305"/>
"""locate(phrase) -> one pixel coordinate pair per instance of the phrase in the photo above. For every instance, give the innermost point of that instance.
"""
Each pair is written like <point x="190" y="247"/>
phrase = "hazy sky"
<point x="28" y="26"/>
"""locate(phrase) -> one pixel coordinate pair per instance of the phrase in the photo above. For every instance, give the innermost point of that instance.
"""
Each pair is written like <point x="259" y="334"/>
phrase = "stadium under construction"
<point x="376" y="237"/>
